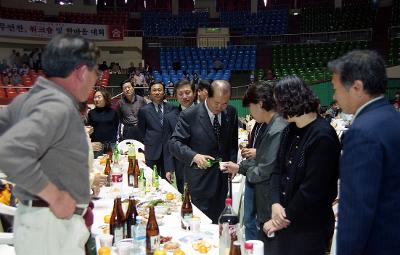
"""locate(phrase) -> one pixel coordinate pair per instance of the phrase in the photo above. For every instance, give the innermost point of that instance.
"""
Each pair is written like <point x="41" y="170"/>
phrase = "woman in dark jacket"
<point x="104" y="121"/>
<point x="304" y="184"/>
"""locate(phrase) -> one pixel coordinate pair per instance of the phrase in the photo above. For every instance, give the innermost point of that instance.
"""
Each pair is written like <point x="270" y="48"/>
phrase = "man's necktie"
<point x="217" y="127"/>
<point x="160" y="114"/>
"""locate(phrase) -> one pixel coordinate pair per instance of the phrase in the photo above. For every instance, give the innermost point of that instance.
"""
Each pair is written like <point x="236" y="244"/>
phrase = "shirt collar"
<point x="211" y="114"/>
<point x="365" y="105"/>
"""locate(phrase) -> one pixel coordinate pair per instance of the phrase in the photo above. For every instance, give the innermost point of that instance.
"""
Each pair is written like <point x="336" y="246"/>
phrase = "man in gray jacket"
<point x="44" y="151"/>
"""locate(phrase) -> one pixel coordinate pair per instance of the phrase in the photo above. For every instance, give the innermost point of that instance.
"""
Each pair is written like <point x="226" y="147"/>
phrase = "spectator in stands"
<point x="104" y="121"/>
<point x="12" y="58"/>
<point x="103" y="66"/>
<point x="148" y="69"/>
<point x="176" y="64"/>
<point x="140" y="68"/>
<point x="369" y="168"/>
<point x="139" y="82"/>
<point x="3" y="66"/>
<point x="7" y="79"/>
<point x="185" y="95"/>
<point x="170" y="88"/>
<point x="25" y="59"/>
<point x="24" y="69"/>
<point x="218" y="64"/>
<point x="153" y="132"/>
<point x="260" y="157"/>
<point x="116" y="68"/>
<point x="18" y="60"/>
<point x="270" y="75"/>
<point x="202" y="91"/>
<point x="44" y="151"/>
<point x="16" y="78"/>
<point x="131" y="69"/>
<point x="128" y="109"/>
<point x="304" y="182"/>
<point x="195" y="79"/>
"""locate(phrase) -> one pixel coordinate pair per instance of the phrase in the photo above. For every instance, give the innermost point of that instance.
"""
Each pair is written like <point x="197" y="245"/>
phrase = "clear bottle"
<point x="136" y="174"/>
<point x="224" y="240"/>
<point x="230" y="217"/>
<point x="131" y="173"/>
<point x="155" y="182"/>
<point x="131" y="152"/>
<point x="116" y="176"/>
<point x="115" y="154"/>
<point x="139" y="238"/>
<point x="248" y="247"/>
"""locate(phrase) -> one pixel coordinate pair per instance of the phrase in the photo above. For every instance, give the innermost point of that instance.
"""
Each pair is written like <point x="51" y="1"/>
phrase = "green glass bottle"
<point x="211" y="162"/>
<point x="142" y="180"/>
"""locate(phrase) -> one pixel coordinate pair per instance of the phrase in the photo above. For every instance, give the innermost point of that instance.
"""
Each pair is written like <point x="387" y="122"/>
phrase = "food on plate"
<point x="170" y="196"/>
<point x="104" y="251"/>
<point x="160" y="252"/>
<point x="171" y="246"/>
<point x="201" y="246"/>
<point x="164" y="239"/>
<point x="107" y="218"/>
<point x="178" y="252"/>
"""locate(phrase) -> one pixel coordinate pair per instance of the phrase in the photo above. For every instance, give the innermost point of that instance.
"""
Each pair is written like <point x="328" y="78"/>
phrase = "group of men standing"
<point x="44" y="150"/>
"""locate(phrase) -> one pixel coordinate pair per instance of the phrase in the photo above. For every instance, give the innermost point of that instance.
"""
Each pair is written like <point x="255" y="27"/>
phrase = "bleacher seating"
<point x="396" y="13"/>
<point x="310" y="60"/>
<point x="21" y="14"/>
<point x="394" y="52"/>
<point x="325" y="19"/>
<point x="155" y="23"/>
<point x="271" y="22"/>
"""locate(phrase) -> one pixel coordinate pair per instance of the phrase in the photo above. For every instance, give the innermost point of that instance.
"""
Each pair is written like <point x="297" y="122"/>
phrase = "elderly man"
<point x="44" y="151"/>
<point x="207" y="131"/>
<point x="369" y="204"/>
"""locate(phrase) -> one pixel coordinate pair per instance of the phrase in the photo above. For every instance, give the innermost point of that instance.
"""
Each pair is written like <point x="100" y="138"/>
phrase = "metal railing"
<point x="261" y="40"/>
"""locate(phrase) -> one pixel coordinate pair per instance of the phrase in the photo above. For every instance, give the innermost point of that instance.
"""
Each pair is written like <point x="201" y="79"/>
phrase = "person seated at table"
<point x="261" y="161"/>
<point x="304" y="182"/>
<point x="151" y="126"/>
<point x="104" y="121"/>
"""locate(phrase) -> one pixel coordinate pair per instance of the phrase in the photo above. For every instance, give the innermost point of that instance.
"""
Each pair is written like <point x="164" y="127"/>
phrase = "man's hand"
<point x="269" y="228"/>
<point x="89" y="130"/>
<point x="230" y="167"/>
<point x="60" y="202"/>
<point x="169" y="176"/>
<point x="64" y="206"/>
<point x="279" y="216"/>
<point x="99" y="180"/>
<point x="248" y="152"/>
<point x="97" y="146"/>
<point x="201" y="160"/>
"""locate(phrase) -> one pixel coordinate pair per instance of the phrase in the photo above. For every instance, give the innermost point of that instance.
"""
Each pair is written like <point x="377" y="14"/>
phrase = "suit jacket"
<point x="194" y="134"/>
<point x="369" y="206"/>
<point x="154" y="133"/>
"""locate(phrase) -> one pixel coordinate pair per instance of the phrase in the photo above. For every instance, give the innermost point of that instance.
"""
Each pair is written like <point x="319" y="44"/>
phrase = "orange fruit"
<point x="178" y="252"/>
<point x="170" y="196"/>
<point x="160" y="252"/>
<point x="107" y="218"/>
<point x="104" y="251"/>
<point x="203" y="249"/>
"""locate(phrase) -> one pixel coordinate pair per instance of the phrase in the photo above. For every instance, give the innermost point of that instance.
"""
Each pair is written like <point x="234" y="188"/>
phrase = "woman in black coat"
<point x="304" y="184"/>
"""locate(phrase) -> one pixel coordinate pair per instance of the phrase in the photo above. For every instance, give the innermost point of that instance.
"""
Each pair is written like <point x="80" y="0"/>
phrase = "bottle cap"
<point x="228" y="201"/>
<point x="248" y="246"/>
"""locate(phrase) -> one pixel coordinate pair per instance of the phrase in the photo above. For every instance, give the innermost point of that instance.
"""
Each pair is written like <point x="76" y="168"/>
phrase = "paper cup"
<point x="106" y="240"/>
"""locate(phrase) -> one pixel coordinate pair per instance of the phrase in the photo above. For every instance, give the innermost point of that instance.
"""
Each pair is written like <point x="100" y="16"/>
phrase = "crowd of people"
<point x="292" y="164"/>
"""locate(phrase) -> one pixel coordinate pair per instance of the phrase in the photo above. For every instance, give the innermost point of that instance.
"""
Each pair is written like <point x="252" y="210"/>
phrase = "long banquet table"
<point x="169" y="225"/>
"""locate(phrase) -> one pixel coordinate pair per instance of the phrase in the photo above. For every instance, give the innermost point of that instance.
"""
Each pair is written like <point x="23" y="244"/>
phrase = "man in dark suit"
<point x="151" y="125"/>
<point x="369" y="201"/>
<point x="207" y="131"/>
<point x="185" y="94"/>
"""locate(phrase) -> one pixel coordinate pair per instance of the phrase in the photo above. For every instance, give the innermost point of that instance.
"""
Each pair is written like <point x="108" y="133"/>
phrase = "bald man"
<point x="207" y="131"/>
